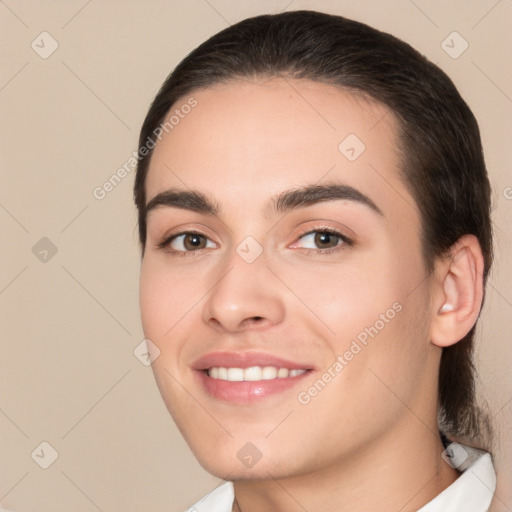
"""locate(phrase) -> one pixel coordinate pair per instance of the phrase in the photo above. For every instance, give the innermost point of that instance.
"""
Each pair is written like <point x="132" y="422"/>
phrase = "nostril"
<point x="254" y="320"/>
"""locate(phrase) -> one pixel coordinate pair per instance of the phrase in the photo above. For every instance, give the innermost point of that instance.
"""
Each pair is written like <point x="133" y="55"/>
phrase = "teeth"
<point x="252" y="373"/>
<point x="283" y="372"/>
<point x="269" y="373"/>
<point x="234" y="374"/>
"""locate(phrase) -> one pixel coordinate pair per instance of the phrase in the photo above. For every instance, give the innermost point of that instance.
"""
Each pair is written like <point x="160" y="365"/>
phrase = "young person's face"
<point x="252" y="290"/>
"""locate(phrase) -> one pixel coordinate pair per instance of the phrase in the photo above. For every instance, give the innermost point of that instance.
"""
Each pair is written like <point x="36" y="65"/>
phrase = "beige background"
<point x="69" y="325"/>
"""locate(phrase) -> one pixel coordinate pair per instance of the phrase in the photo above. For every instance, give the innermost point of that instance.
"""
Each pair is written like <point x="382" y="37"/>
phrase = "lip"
<point x="246" y="392"/>
<point x="245" y="360"/>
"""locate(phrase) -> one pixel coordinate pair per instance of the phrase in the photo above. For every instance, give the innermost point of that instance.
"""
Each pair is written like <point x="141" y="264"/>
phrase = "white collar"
<point x="471" y="492"/>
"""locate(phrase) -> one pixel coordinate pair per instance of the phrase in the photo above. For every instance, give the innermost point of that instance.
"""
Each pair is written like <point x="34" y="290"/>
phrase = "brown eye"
<point x="188" y="242"/>
<point x="194" y="241"/>
<point x="320" y="239"/>
<point x="324" y="239"/>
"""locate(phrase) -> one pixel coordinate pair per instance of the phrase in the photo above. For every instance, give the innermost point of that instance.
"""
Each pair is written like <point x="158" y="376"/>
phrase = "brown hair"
<point x="442" y="160"/>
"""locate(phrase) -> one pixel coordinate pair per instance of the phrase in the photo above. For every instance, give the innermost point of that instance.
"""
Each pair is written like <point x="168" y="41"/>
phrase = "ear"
<point x="457" y="292"/>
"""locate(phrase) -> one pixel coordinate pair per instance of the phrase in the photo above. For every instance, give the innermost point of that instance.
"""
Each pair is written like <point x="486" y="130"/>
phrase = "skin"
<point x="368" y="440"/>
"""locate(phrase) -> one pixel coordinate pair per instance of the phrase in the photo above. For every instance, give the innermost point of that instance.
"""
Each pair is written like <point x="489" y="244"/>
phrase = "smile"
<point x="245" y="377"/>
<point x="253" y="373"/>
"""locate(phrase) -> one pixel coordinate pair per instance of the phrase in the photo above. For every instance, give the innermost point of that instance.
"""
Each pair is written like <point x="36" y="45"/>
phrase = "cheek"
<point x="162" y="300"/>
<point x="348" y="298"/>
<point x="373" y="299"/>
<point x="151" y="300"/>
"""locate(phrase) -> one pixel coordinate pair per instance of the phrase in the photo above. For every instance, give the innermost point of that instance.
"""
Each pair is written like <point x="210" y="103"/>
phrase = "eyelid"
<point x="167" y="239"/>
<point x="346" y="240"/>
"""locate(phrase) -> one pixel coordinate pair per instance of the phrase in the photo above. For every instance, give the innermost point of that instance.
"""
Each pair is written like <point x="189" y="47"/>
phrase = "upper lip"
<point x="245" y="360"/>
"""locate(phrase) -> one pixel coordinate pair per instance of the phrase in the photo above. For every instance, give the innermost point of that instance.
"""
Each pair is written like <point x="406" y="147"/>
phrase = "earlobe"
<point x="458" y="292"/>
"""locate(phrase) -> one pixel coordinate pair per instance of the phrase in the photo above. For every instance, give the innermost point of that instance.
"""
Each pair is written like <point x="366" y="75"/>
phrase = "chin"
<point x="235" y="471"/>
<point x="244" y="461"/>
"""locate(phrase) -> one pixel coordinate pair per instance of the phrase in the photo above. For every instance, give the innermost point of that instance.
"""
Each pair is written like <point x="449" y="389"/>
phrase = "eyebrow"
<point x="282" y="203"/>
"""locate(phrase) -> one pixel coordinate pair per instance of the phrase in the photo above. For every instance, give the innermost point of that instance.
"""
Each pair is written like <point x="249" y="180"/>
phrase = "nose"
<point x="244" y="296"/>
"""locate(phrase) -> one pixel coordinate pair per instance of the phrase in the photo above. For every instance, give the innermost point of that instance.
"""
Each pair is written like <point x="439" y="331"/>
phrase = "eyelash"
<point x="166" y="241"/>
<point x="163" y="245"/>
<point x="330" y="231"/>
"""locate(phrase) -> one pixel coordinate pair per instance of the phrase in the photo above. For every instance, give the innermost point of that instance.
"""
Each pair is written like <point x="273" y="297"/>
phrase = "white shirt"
<point x="471" y="492"/>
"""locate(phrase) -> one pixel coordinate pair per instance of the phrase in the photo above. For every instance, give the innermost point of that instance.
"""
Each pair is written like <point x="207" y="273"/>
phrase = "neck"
<point x="402" y="471"/>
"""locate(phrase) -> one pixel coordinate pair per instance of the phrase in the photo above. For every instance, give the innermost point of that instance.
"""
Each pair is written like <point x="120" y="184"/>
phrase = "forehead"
<point x="245" y="140"/>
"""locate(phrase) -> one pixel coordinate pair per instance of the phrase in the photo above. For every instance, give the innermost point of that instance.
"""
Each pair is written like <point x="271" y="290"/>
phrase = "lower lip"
<point x="245" y="392"/>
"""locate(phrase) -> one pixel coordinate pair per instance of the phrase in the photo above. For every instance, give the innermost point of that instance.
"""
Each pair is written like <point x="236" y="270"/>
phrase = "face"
<point x="289" y="307"/>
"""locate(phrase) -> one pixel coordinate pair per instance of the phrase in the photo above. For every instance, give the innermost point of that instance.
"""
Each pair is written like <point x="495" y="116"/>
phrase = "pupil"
<point x="323" y="239"/>
<point x="194" y="240"/>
